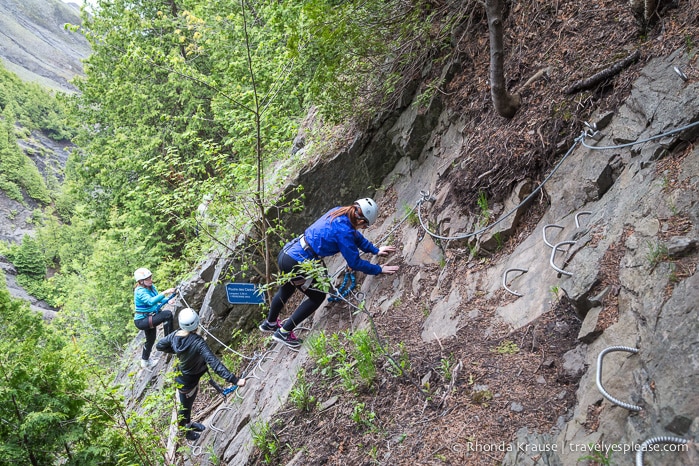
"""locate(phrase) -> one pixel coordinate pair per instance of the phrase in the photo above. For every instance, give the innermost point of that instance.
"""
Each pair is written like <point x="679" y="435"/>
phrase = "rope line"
<point x="640" y="141"/>
<point x="526" y="199"/>
<point x="579" y="140"/>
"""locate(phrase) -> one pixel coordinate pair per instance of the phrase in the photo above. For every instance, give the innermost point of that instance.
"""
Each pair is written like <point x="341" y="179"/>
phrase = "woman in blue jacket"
<point x="148" y="315"/>
<point x="336" y="231"/>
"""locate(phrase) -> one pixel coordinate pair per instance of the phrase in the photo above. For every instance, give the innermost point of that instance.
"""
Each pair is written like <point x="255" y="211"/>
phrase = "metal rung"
<point x="585" y="212"/>
<point x="219" y="410"/>
<point x="543" y="232"/>
<point x="553" y="255"/>
<point x="604" y="392"/>
<point x="652" y="441"/>
<point x="504" y="280"/>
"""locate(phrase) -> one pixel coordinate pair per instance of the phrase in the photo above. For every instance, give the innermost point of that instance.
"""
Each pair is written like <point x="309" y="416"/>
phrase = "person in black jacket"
<point x="194" y="357"/>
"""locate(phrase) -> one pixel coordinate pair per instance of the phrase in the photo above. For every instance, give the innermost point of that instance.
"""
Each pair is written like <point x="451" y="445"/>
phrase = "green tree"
<point x="359" y="56"/>
<point x="34" y="107"/>
<point x="98" y="297"/>
<point x="191" y="96"/>
<point x="58" y="407"/>
<point x="182" y="98"/>
<point x="16" y="169"/>
<point x="29" y="259"/>
<point x="40" y="376"/>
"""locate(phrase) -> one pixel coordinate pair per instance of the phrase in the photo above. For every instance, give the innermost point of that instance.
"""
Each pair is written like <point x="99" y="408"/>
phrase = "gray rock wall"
<point x="631" y="203"/>
<point x="36" y="46"/>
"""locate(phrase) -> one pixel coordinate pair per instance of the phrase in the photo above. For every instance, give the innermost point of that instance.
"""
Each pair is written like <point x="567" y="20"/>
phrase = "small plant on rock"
<point x="597" y="456"/>
<point x="411" y="216"/>
<point x="483" y="205"/>
<point x="656" y="253"/>
<point x="402" y="365"/>
<point x="300" y="396"/>
<point x="362" y="417"/>
<point x="482" y="397"/>
<point x="365" y="355"/>
<point x="506" y="347"/>
<point x="264" y="438"/>
<point x="445" y="367"/>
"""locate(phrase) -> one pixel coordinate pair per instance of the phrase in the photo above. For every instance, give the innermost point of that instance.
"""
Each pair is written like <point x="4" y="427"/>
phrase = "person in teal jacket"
<point x="148" y="314"/>
<point x="336" y="231"/>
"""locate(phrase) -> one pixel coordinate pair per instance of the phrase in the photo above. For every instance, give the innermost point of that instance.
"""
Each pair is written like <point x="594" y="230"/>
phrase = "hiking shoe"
<point x="148" y="363"/>
<point x="288" y="338"/>
<point x="192" y="435"/>
<point x="269" y="327"/>
<point x="197" y="426"/>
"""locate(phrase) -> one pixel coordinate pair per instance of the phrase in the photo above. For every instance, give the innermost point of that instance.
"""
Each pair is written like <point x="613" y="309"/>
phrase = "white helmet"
<point x="141" y="274"/>
<point x="370" y="209"/>
<point x="189" y="320"/>
<point x="208" y="197"/>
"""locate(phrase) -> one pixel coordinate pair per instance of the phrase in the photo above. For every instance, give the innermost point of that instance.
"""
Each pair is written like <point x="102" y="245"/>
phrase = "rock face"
<point x="633" y="218"/>
<point x="35" y="46"/>
<point x="16" y="291"/>
<point x="629" y="218"/>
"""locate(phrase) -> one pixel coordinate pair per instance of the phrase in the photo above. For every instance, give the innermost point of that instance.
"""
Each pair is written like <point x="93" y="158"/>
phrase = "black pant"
<point x="307" y="307"/>
<point x="187" y="394"/>
<point x="148" y="325"/>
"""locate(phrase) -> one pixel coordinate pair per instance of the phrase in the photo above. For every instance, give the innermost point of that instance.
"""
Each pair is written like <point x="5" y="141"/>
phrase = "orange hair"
<point x="351" y="212"/>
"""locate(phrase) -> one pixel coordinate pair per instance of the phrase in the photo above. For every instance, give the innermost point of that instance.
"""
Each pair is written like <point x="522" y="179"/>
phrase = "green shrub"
<point x="300" y="395"/>
<point x="29" y="259"/>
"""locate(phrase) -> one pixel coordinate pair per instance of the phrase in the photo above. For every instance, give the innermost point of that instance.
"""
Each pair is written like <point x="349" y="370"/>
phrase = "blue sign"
<point x="244" y="293"/>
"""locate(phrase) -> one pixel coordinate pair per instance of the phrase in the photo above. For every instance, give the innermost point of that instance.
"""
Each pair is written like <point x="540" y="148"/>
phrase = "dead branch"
<point x="538" y="75"/>
<point x="604" y="74"/>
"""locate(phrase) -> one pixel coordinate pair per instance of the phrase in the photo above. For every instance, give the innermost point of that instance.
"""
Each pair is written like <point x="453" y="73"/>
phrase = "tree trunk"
<point x="506" y="104"/>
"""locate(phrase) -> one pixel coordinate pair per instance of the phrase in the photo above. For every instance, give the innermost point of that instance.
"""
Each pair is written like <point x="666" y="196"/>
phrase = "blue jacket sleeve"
<point x="364" y="244"/>
<point x="145" y="299"/>
<point x="350" y="251"/>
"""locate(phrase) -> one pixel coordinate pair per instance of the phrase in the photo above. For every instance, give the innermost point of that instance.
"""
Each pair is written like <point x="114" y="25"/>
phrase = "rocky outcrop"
<point x="36" y="46"/>
<point x="618" y="208"/>
<point x="630" y="204"/>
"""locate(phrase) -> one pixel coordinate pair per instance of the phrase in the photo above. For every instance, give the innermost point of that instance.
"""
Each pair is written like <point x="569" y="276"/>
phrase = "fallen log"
<point x="602" y="75"/>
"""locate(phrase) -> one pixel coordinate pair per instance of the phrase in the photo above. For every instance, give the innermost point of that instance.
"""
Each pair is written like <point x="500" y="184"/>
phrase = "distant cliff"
<point x="35" y="45"/>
